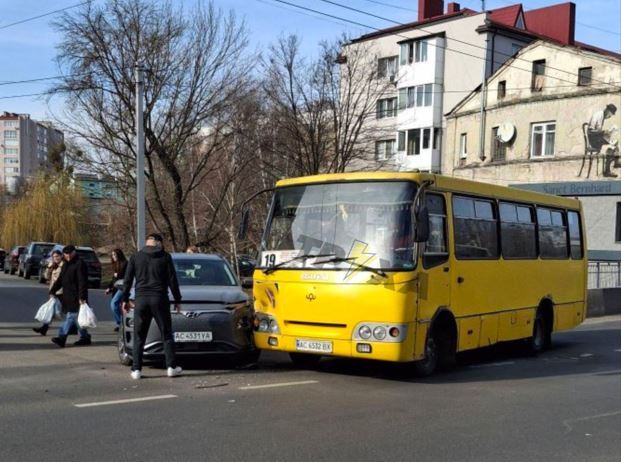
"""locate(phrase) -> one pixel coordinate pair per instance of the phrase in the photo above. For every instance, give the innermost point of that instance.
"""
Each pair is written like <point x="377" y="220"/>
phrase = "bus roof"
<point x="441" y="182"/>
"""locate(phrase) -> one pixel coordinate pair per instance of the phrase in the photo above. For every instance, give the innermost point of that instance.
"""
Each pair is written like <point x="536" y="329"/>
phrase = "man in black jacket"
<point x="155" y="273"/>
<point x="73" y="280"/>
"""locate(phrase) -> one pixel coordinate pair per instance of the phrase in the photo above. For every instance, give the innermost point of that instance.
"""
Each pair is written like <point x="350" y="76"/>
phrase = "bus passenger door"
<point x="434" y="270"/>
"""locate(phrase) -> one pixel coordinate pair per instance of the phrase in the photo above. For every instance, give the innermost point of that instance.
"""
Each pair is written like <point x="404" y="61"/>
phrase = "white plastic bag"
<point x="86" y="317"/>
<point x="46" y="312"/>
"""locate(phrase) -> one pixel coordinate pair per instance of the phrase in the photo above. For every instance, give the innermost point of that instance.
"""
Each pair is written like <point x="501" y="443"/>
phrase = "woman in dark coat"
<point x="73" y="280"/>
<point x="119" y="265"/>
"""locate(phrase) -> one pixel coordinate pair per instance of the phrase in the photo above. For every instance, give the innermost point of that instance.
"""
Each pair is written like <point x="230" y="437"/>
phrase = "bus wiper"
<point x="271" y="269"/>
<point x="353" y="261"/>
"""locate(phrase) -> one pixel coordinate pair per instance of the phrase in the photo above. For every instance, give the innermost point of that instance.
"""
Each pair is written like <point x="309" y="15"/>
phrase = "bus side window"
<point x="474" y="224"/>
<point x="435" y="251"/>
<point x="552" y="233"/>
<point x="517" y="231"/>
<point x="575" y="235"/>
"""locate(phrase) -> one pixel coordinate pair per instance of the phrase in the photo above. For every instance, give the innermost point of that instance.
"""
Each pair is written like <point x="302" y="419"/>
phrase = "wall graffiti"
<point x="601" y="141"/>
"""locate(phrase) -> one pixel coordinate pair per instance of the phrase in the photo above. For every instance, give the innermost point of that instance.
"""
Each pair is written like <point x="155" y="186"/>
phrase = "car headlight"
<point x="364" y="332"/>
<point x="379" y="333"/>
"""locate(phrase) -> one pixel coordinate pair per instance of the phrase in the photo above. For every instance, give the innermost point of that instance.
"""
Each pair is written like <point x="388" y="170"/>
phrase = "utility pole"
<point x="483" y="92"/>
<point x="140" y="197"/>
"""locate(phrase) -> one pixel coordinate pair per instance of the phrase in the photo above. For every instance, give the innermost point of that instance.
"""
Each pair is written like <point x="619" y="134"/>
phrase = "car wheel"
<point x="124" y="358"/>
<point x="41" y="277"/>
<point x="26" y="273"/>
<point x="304" y="361"/>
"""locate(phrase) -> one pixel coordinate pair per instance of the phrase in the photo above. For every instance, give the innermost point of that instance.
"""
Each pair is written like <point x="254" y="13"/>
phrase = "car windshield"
<point x="203" y="272"/>
<point x="368" y="223"/>
<point x="41" y="250"/>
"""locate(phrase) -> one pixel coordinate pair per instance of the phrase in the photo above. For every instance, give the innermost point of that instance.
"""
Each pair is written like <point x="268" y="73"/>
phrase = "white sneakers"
<point x="171" y="372"/>
<point x="174" y="371"/>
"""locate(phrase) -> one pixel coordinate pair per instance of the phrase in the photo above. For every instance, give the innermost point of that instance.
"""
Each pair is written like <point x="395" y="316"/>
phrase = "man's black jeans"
<point x="146" y="309"/>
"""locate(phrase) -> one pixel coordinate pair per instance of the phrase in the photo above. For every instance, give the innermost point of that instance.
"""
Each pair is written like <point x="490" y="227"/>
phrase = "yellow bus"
<point x="414" y="267"/>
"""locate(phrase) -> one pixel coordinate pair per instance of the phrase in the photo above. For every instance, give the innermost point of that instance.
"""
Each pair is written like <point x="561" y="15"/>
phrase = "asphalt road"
<point x="497" y="405"/>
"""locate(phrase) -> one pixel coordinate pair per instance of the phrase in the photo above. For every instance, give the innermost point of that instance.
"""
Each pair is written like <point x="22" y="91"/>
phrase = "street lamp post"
<point x="140" y="196"/>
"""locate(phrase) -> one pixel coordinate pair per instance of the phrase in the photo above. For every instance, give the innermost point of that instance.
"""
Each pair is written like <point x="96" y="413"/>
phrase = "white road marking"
<point x="503" y="363"/>
<point x="586" y="355"/>
<point x="589" y="417"/>
<point x="275" y="385"/>
<point x="618" y="350"/>
<point x="125" y="401"/>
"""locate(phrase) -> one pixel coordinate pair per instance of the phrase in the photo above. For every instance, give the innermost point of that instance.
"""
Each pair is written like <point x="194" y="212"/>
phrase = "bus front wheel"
<point x="425" y="367"/>
<point x="304" y="361"/>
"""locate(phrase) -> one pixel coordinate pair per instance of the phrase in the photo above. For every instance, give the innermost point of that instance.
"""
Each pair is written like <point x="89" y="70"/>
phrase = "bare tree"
<point x="196" y="69"/>
<point x="320" y="109"/>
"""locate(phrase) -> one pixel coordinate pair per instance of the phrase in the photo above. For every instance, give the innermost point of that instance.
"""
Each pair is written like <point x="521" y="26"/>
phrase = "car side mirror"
<point x="243" y="224"/>
<point x="422" y="225"/>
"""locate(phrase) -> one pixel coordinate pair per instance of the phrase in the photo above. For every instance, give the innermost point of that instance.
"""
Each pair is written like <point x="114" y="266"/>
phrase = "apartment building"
<point x="25" y="145"/>
<point x="435" y="62"/>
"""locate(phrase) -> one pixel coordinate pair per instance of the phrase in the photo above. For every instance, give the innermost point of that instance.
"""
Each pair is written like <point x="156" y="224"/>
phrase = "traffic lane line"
<point x="277" y="385"/>
<point x="125" y="401"/>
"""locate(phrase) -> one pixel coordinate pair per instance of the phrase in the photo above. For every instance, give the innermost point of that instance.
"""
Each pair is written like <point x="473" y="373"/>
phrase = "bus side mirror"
<point x="422" y="225"/>
<point x="243" y="224"/>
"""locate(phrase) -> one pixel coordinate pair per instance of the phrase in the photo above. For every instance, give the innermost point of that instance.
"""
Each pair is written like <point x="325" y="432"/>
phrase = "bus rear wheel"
<point x="304" y="361"/>
<point x="539" y="340"/>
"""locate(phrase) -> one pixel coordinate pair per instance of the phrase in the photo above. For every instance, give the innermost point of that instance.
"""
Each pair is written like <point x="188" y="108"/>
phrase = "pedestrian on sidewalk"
<point x="73" y="280"/>
<point x="52" y="272"/>
<point x="154" y="271"/>
<point x="119" y="265"/>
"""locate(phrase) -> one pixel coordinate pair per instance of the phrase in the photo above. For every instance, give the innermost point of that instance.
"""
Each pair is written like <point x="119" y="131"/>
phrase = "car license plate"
<point x="193" y="337"/>
<point x="313" y="345"/>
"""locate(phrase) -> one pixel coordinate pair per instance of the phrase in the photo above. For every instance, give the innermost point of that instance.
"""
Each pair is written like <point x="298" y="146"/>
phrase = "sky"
<point x="28" y="49"/>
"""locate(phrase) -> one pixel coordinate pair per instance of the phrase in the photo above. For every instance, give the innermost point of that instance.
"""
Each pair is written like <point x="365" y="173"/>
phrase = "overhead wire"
<point x="516" y="58"/>
<point x="49" y="13"/>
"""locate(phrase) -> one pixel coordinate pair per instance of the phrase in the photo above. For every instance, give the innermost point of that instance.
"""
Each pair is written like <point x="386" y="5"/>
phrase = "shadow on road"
<point x="507" y="361"/>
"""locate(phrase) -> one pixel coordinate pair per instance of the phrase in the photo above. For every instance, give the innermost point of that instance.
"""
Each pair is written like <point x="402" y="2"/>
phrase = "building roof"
<point x="508" y="15"/>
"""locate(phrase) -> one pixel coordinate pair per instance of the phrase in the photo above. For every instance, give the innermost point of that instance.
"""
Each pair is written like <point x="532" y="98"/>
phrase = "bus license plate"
<point x="193" y="337"/>
<point x="313" y="345"/>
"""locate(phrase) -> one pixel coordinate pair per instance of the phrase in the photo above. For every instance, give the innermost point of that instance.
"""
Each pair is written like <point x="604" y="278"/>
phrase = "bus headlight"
<point x="364" y="332"/>
<point x="379" y="333"/>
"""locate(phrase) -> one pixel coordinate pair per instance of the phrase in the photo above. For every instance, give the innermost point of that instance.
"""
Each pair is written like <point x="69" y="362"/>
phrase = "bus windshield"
<point x="367" y="223"/>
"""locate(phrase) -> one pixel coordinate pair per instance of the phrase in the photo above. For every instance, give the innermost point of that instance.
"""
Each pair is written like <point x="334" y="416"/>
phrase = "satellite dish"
<point x="506" y="132"/>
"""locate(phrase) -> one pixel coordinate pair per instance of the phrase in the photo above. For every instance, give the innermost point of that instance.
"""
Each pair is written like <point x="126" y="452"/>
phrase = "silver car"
<point x="216" y="314"/>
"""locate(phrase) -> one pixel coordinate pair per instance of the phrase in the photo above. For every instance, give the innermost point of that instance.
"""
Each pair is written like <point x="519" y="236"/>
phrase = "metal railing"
<point x="604" y="274"/>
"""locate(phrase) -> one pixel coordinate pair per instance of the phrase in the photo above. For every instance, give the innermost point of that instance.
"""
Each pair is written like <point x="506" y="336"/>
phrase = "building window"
<point x="502" y="89"/>
<point x="11" y="170"/>
<point x="499" y="149"/>
<point x="437" y="134"/>
<point x="584" y="76"/>
<point x="426" y="138"/>
<point x="463" y="146"/>
<point x="539" y="70"/>
<point x="387" y="67"/>
<point x="413" y="142"/>
<point x="11" y="151"/>
<point x="406" y="53"/>
<point x="618" y="225"/>
<point x="10" y="135"/>
<point x="10" y="123"/>
<point x="515" y="48"/>
<point x="401" y="141"/>
<point x="385" y="149"/>
<point x="386" y="108"/>
<point x="542" y="139"/>
<point x="10" y="160"/>
<point x="421" y="51"/>
<point x="419" y="96"/>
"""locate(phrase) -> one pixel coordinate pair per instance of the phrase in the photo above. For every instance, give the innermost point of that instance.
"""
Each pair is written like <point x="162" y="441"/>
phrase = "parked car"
<point x="30" y="259"/>
<point x="11" y="260"/>
<point x="85" y="253"/>
<point x="216" y="315"/>
<point x="2" y="257"/>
